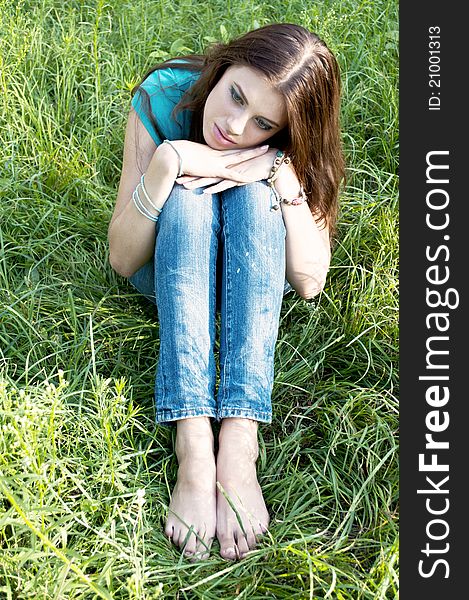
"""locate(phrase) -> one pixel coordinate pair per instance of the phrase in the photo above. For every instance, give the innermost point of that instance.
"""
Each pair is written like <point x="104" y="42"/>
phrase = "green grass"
<point x="85" y="475"/>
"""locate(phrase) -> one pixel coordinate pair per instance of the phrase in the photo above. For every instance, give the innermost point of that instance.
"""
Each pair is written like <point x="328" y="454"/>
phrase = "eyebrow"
<point x="244" y="98"/>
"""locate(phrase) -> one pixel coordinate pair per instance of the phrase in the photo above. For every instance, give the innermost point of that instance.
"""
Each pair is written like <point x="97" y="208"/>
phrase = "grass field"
<point x="85" y="475"/>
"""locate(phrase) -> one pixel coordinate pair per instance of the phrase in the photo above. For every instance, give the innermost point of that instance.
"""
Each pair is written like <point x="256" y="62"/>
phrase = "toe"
<point x="179" y="537"/>
<point x="169" y="530"/>
<point x="177" y="534"/>
<point x="202" y="550"/>
<point x="260" y="529"/>
<point x="243" y="547"/>
<point x="251" y="539"/>
<point x="229" y="552"/>
<point x="228" y="549"/>
<point x="188" y="543"/>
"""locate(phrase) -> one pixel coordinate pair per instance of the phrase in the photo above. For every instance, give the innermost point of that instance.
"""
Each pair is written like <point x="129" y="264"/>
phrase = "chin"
<point x="211" y="145"/>
<point x="214" y="145"/>
<point x="204" y="135"/>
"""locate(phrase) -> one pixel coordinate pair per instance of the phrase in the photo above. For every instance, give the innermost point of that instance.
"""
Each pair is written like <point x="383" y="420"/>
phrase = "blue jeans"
<point x="226" y="253"/>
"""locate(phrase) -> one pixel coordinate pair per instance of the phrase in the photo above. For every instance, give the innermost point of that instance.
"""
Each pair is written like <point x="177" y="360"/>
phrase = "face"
<point x="242" y="110"/>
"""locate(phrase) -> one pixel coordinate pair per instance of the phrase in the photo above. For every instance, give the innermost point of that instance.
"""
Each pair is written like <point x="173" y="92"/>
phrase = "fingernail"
<point x="264" y="147"/>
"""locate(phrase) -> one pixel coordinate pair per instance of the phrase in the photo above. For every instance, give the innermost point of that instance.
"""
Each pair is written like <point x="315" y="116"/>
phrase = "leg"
<point x="185" y="279"/>
<point x="252" y="292"/>
<point x="253" y="279"/>
<point x="185" y="272"/>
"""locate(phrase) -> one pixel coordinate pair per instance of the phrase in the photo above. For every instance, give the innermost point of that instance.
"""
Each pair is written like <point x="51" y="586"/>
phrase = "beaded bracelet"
<point x="179" y="156"/>
<point x="295" y="201"/>
<point x="281" y="158"/>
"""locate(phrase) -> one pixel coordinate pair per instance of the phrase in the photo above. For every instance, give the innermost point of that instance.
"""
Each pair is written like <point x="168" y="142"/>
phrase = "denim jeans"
<point x="215" y="253"/>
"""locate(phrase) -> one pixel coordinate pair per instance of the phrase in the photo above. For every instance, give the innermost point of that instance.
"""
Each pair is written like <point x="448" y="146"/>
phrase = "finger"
<point x="234" y="175"/>
<point x="233" y="152"/>
<point x="246" y="154"/>
<point x="201" y="182"/>
<point x="264" y="148"/>
<point x="185" y="179"/>
<point x="221" y="187"/>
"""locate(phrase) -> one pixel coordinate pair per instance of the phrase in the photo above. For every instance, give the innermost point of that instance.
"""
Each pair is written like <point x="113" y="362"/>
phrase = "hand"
<point x="254" y="169"/>
<point x="199" y="160"/>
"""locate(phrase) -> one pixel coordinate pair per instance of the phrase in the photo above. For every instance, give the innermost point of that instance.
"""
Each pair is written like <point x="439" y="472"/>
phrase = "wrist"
<point x="161" y="175"/>
<point x="167" y="160"/>
<point x="287" y="183"/>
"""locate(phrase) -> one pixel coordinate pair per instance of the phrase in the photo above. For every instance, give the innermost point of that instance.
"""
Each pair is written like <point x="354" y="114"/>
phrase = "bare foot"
<point x="243" y="517"/>
<point x="191" y="518"/>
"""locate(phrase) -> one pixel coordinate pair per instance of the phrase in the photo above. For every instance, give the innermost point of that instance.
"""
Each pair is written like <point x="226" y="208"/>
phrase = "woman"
<point x="256" y="123"/>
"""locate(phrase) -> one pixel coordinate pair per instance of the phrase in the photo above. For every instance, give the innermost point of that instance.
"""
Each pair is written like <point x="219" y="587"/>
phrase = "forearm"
<point x="307" y="251"/>
<point x="131" y="235"/>
<point x="307" y="245"/>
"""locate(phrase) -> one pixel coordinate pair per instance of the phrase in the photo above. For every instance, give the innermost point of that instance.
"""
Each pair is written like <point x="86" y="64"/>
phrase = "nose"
<point x="236" y="124"/>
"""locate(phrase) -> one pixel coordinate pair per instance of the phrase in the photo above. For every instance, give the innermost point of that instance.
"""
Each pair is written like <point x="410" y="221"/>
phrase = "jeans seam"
<point x="213" y="290"/>
<point x="225" y="321"/>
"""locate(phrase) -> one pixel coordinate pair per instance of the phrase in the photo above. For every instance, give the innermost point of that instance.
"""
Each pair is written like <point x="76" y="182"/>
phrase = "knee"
<point x="186" y="212"/>
<point x="255" y="195"/>
<point x="251" y="206"/>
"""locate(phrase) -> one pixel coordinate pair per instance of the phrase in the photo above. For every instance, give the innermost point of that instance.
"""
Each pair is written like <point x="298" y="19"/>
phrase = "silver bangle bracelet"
<point x="142" y="184"/>
<point x="141" y="207"/>
<point x="181" y="172"/>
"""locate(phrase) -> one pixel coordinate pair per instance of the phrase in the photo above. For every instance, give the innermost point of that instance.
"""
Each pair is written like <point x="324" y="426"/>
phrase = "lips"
<point x="223" y="134"/>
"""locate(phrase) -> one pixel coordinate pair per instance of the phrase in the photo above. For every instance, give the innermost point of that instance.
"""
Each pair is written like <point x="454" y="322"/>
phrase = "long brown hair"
<point x="302" y="68"/>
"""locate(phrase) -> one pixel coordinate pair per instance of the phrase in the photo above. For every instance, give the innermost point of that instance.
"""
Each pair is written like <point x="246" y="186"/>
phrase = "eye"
<point x="263" y="125"/>
<point x="236" y="97"/>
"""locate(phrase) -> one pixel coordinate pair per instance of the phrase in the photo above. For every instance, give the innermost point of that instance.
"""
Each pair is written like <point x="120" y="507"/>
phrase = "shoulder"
<point x="158" y="95"/>
<point x="171" y="80"/>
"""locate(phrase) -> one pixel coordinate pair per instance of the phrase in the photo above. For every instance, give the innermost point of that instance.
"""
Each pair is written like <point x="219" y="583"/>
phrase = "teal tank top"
<point x="165" y="88"/>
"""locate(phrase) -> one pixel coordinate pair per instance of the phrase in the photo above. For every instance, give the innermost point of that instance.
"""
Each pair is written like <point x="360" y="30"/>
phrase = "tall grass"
<point x="85" y="475"/>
